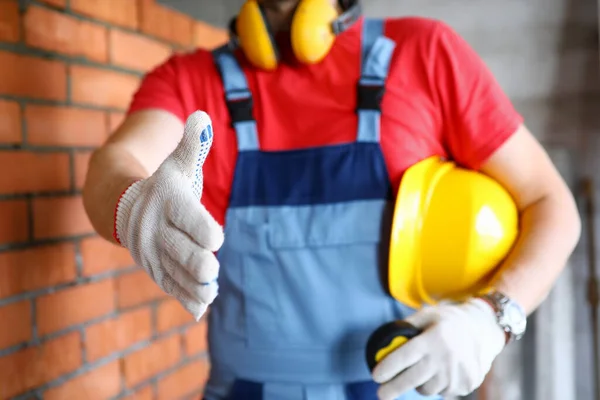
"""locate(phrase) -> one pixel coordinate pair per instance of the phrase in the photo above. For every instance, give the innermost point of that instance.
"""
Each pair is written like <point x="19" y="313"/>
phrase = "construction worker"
<point x="311" y="121"/>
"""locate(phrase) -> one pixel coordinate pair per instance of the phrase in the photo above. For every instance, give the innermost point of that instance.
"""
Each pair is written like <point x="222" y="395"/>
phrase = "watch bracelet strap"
<point x="488" y="299"/>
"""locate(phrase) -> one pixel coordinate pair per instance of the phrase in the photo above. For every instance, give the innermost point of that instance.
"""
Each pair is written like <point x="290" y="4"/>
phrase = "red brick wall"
<point x="77" y="320"/>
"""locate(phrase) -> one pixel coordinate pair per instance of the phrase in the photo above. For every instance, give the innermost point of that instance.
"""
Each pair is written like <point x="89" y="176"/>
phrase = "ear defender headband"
<point x="315" y="25"/>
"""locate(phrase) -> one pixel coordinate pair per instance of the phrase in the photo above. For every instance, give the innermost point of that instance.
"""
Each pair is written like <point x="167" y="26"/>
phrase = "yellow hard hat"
<point x="451" y="229"/>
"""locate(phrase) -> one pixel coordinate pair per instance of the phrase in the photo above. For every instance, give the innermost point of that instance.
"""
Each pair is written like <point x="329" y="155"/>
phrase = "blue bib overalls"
<point x="305" y="244"/>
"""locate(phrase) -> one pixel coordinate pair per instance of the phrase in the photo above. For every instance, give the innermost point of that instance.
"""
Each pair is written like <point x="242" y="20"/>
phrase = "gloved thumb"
<point x="192" y="150"/>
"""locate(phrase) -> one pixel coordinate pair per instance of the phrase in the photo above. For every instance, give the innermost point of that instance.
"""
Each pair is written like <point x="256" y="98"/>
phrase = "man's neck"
<point x="280" y="12"/>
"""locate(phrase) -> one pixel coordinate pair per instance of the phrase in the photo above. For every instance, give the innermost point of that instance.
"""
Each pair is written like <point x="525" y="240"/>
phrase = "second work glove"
<point x="450" y="358"/>
<point x="168" y="232"/>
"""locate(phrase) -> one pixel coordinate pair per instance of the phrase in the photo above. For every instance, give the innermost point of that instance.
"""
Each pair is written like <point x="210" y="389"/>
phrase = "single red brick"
<point x="17" y="316"/>
<point x="59" y="216"/>
<point x="15" y="221"/>
<point x="119" y="333"/>
<point x="9" y="21"/>
<point x="36" y="268"/>
<point x="149" y="361"/>
<point x="117" y="12"/>
<point x="134" y="51"/>
<point x="102" y="87"/>
<point x="10" y="122"/>
<point x="32" y="77"/>
<point x="25" y="171"/>
<point x="165" y="23"/>
<point x="137" y="288"/>
<point x="57" y="32"/>
<point x="64" y="126"/>
<point x="99" y="256"/>
<point x="74" y="305"/>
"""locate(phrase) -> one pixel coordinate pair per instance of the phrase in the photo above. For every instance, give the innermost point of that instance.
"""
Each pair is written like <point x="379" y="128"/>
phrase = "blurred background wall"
<point x="78" y="321"/>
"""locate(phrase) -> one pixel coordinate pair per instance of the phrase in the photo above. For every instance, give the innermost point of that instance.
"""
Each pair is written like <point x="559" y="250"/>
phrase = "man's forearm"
<point x="550" y="230"/>
<point x="110" y="172"/>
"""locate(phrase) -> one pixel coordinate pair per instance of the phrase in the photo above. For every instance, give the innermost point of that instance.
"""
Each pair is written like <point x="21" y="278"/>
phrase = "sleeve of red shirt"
<point x="159" y="89"/>
<point x="478" y="116"/>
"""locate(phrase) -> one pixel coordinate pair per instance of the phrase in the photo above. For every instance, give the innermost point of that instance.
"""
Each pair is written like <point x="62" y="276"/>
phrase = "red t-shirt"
<point x="440" y="100"/>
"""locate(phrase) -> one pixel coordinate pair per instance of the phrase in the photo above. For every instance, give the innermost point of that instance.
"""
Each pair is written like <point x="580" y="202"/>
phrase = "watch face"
<point x="514" y="317"/>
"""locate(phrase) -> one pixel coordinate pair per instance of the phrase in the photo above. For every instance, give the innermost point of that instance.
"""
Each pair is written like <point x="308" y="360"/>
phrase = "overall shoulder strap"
<point x="238" y="98"/>
<point x="377" y="51"/>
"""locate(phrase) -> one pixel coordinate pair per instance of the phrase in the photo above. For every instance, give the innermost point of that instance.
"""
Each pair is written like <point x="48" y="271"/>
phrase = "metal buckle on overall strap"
<point x="240" y="105"/>
<point x="370" y="95"/>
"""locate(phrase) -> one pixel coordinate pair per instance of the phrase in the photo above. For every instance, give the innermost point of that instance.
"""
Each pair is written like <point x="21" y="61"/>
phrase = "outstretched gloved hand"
<point x="168" y="232"/>
<point x="450" y="358"/>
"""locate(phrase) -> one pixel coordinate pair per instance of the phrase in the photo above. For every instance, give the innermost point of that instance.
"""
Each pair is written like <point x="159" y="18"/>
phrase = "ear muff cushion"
<point x="311" y="33"/>
<point x="254" y="36"/>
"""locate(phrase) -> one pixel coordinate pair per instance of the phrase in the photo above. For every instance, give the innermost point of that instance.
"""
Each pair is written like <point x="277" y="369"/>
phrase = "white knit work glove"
<point x="450" y="358"/>
<point x="168" y="232"/>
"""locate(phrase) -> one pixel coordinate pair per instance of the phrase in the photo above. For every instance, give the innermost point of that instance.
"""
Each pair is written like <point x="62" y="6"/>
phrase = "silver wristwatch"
<point x="510" y="315"/>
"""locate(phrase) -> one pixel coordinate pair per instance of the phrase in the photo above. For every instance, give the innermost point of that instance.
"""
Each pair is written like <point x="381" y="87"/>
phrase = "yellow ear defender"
<point x="255" y="37"/>
<point x="314" y="27"/>
<point x="311" y="33"/>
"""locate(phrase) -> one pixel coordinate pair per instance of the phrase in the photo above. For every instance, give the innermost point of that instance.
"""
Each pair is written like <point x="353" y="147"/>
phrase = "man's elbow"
<point x="575" y="226"/>
<point x="98" y="168"/>
<point x="565" y="207"/>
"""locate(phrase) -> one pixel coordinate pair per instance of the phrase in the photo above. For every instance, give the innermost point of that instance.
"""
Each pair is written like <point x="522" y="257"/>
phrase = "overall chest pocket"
<point x="324" y="276"/>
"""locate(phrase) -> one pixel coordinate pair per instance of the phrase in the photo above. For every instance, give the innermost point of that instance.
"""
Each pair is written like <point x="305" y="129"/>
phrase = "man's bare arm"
<point x="549" y="221"/>
<point x="133" y="152"/>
